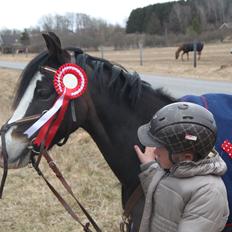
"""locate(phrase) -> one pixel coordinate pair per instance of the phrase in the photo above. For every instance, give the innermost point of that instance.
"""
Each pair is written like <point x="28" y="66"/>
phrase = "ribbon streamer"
<point x="45" y="118"/>
<point x="70" y="82"/>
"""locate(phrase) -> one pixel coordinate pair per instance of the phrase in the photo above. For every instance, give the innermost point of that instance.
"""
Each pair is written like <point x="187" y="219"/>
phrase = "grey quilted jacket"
<point x="190" y="197"/>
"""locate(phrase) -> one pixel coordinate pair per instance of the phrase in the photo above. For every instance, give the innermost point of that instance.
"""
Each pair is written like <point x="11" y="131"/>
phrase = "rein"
<point x="59" y="175"/>
<point x="35" y="163"/>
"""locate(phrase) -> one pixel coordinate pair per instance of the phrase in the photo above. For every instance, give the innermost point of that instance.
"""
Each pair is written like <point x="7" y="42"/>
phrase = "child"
<point x="181" y="172"/>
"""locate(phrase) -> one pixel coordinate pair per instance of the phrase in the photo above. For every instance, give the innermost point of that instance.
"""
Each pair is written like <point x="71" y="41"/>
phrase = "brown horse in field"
<point x="189" y="47"/>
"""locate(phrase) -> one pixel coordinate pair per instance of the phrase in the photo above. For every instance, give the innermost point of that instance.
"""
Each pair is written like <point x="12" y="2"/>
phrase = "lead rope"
<point x="5" y="159"/>
<point x="125" y="225"/>
<point x="57" y="172"/>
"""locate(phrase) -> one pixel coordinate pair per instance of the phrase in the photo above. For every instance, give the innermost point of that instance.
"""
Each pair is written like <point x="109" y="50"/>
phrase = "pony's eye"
<point x="43" y="93"/>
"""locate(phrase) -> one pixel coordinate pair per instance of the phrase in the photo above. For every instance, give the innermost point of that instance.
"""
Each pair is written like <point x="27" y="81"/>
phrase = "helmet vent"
<point x="188" y="117"/>
<point x="161" y="119"/>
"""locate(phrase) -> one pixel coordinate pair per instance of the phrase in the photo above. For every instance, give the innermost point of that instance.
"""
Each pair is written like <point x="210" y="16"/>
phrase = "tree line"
<point x="155" y="25"/>
<point x="74" y="29"/>
<point x="182" y="17"/>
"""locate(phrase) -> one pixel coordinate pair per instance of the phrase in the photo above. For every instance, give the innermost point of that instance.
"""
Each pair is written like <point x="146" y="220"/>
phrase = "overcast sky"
<point x="20" y="14"/>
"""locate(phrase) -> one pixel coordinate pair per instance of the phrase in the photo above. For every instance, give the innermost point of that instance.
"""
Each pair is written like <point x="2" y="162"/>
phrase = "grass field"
<point x="28" y="205"/>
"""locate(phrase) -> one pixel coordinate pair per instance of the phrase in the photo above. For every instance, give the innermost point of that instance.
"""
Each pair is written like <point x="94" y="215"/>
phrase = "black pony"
<point x="114" y="105"/>
<point x="189" y="47"/>
<point x="111" y="109"/>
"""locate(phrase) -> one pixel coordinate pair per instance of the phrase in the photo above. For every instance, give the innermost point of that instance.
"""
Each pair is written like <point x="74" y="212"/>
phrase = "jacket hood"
<point x="213" y="164"/>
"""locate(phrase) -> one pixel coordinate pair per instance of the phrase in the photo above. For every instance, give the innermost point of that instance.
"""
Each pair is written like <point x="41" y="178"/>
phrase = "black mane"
<point x="121" y="84"/>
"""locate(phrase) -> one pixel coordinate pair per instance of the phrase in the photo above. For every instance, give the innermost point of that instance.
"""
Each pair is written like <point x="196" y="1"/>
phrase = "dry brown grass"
<point x="28" y="205"/>
<point x="215" y="63"/>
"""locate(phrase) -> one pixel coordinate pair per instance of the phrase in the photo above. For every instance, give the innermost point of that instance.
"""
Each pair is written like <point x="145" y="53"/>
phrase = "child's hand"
<point x="146" y="156"/>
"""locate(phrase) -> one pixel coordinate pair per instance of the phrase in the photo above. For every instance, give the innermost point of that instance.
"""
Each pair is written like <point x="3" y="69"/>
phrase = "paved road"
<point x="12" y="65"/>
<point x="177" y="87"/>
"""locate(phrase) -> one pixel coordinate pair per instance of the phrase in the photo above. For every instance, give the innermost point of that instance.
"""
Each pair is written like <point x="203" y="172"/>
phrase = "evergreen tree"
<point x="24" y="38"/>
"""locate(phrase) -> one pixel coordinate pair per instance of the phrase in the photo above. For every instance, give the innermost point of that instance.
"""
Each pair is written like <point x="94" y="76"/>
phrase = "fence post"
<point x="141" y="52"/>
<point x="195" y="54"/>
<point x="26" y="51"/>
<point x="102" y="51"/>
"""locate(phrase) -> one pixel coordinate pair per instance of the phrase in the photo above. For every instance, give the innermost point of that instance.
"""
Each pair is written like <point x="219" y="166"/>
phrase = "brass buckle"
<point x="125" y="224"/>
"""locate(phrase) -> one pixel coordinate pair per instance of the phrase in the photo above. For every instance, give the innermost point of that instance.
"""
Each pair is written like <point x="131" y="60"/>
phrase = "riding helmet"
<point x="180" y="127"/>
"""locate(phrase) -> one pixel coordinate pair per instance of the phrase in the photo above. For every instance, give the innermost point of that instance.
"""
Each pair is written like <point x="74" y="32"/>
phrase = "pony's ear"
<point x="54" y="47"/>
<point x="52" y="42"/>
<point x="55" y="38"/>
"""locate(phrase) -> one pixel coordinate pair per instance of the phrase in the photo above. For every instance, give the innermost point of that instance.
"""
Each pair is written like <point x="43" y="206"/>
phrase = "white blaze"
<point x="16" y="146"/>
<point x="26" y="99"/>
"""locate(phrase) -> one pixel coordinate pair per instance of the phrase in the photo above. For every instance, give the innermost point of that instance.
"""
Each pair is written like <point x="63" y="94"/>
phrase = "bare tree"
<point x="71" y="17"/>
<point x="46" y="22"/>
<point x="61" y="23"/>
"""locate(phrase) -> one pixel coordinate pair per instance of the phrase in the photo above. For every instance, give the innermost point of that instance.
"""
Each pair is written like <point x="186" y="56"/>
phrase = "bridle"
<point x="3" y="131"/>
<point x="35" y="163"/>
<point x="35" y="158"/>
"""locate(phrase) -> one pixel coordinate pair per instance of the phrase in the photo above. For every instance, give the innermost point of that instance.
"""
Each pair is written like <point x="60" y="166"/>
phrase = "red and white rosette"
<point x="70" y="82"/>
<point x="71" y="79"/>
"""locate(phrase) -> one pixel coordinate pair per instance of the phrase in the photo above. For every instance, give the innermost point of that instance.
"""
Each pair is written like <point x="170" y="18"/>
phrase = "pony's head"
<point x="177" y="53"/>
<point x="35" y="95"/>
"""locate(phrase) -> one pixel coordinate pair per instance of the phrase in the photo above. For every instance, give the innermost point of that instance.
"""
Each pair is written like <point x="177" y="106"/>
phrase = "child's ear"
<point x="188" y="156"/>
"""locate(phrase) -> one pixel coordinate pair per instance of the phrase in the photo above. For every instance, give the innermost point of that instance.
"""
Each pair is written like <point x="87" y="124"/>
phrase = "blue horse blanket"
<point x="221" y="107"/>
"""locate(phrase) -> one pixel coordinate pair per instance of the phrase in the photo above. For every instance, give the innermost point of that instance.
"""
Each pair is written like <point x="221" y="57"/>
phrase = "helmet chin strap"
<point x="170" y="154"/>
<point x="170" y="157"/>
